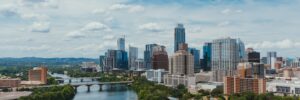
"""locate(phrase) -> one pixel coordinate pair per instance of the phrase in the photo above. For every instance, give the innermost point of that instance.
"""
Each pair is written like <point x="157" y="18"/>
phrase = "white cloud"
<point x="129" y="8"/>
<point x="283" y="44"/>
<point x="39" y="3"/>
<point x="95" y="26"/>
<point x="42" y="27"/>
<point x="9" y="11"/>
<point x="75" y="34"/>
<point x="231" y="11"/>
<point x="153" y="27"/>
<point x="224" y="23"/>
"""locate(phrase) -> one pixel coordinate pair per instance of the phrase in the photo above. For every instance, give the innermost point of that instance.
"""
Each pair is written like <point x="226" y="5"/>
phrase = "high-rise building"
<point x="133" y="55"/>
<point x="102" y="62"/>
<point x="207" y="53"/>
<point x="233" y="85"/>
<point x="139" y="64"/>
<point x="182" y="62"/>
<point x="160" y="58"/>
<point x="271" y="59"/>
<point x="121" y="60"/>
<point x="253" y="56"/>
<point x="242" y="52"/>
<point x="121" y="44"/>
<point x="179" y="36"/>
<point x="38" y="74"/>
<point x="196" y="53"/>
<point x="110" y="61"/>
<point x="264" y="60"/>
<point x="225" y="57"/>
<point x="148" y="53"/>
<point x="181" y="68"/>
<point x="249" y="78"/>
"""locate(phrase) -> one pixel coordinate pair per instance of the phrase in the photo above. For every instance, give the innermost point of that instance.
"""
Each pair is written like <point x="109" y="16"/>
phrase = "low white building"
<point x="209" y="86"/>
<point x="281" y="86"/>
<point x="156" y="75"/>
<point x="175" y="80"/>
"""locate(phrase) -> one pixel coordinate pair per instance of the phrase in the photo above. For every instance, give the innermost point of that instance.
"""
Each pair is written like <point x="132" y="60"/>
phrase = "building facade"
<point x="196" y="53"/>
<point x="271" y="59"/>
<point x="160" y="58"/>
<point x="8" y="83"/>
<point x="181" y="68"/>
<point x="207" y="53"/>
<point x="133" y="55"/>
<point x="121" y="44"/>
<point x="179" y="36"/>
<point x="225" y="57"/>
<point x="38" y="74"/>
<point x="234" y="85"/>
<point x="148" y="54"/>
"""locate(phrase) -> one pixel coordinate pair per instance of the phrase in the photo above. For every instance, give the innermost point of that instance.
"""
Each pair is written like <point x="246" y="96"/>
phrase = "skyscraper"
<point x="121" y="44"/>
<point x="196" y="53"/>
<point x="225" y="57"/>
<point x="253" y="56"/>
<point x="242" y="51"/>
<point x="179" y="36"/>
<point x="206" y="62"/>
<point x="181" y="68"/>
<point x="133" y="55"/>
<point x="160" y="58"/>
<point x="102" y="62"/>
<point x="271" y="59"/>
<point x="148" y="53"/>
<point x="182" y="62"/>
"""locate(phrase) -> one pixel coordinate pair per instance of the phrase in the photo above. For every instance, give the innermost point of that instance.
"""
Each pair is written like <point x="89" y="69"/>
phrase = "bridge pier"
<point x="70" y="81"/>
<point x="81" y="80"/>
<point x="100" y="87"/>
<point x="75" y="87"/>
<point x="89" y="87"/>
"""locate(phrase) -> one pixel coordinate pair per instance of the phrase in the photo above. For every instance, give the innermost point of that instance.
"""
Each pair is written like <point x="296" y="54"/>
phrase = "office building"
<point x="38" y="74"/>
<point x="9" y="82"/>
<point x="182" y="62"/>
<point x="196" y="53"/>
<point x="271" y="59"/>
<point x="181" y="68"/>
<point x="253" y="56"/>
<point x="155" y="75"/>
<point x="90" y="67"/>
<point x="102" y="62"/>
<point x="133" y="55"/>
<point x="121" y="44"/>
<point x="140" y="65"/>
<point x="233" y="85"/>
<point x="116" y="60"/>
<point x="148" y="54"/>
<point x="207" y="53"/>
<point x="241" y="50"/>
<point x="160" y="58"/>
<point x="225" y="57"/>
<point x="179" y="36"/>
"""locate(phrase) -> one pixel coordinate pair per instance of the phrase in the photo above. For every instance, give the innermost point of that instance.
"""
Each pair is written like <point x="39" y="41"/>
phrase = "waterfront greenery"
<point x="66" y="92"/>
<point x="147" y="90"/>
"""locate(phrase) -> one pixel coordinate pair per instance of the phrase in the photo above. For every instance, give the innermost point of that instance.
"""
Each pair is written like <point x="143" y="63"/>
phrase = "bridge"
<point x="77" y="78"/>
<point x="88" y="84"/>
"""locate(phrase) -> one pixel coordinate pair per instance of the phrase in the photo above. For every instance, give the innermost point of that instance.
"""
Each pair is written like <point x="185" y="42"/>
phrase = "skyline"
<point x="65" y="28"/>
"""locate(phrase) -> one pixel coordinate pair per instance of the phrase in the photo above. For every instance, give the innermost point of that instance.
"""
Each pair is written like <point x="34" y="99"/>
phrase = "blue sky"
<point x="87" y="28"/>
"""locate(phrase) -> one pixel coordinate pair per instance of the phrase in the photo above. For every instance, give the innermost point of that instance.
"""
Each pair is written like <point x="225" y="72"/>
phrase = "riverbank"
<point x="65" y="92"/>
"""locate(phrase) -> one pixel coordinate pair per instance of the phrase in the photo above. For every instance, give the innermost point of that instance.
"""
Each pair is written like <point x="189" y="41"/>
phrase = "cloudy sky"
<point x="87" y="28"/>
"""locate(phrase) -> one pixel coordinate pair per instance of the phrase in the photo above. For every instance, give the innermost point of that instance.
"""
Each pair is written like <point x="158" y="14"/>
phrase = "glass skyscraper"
<point x="196" y="53"/>
<point x="133" y="55"/>
<point x="226" y="55"/>
<point x="121" y="44"/>
<point x="179" y="36"/>
<point x="206" y="63"/>
<point x="148" y="53"/>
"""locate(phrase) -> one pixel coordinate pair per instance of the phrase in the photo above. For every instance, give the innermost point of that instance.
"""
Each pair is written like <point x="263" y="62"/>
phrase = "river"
<point x="120" y="93"/>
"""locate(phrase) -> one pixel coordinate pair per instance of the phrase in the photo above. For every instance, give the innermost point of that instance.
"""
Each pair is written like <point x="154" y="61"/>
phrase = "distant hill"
<point x="36" y="61"/>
